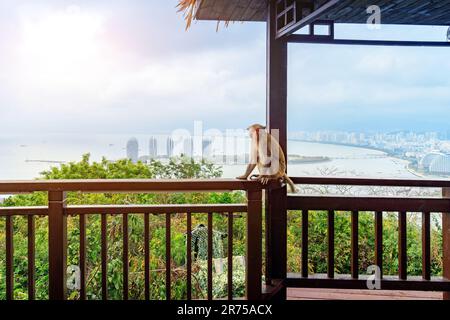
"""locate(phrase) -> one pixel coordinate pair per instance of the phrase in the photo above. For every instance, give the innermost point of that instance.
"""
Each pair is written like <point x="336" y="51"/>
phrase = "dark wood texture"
<point x="23" y="211"/>
<point x="125" y="261"/>
<point x="346" y="282"/>
<point x="82" y="226"/>
<point x="104" y="256"/>
<point x="372" y="182"/>
<point x="446" y="242"/>
<point x="154" y="209"/>
<point x="230" y="256"/>
<point x="57" y="245"/>
<point x="57" y="212"/>
<point x="168" y="258"/>
<point x="128" y="185"/>
<point x="31" y="257"/>
<point x="354" y="244"/>
<point x="348" y="203"/>
<point x="402" y="246"/>
<point x="147" y="256"/>
<point x="305" y="227"/>
<point x="276" y="118"/>
<point x="379" y="241"/>
<point x="411" y="12"/>
<point x="426" y="246"/>
<point x="330" y="244"/>
<point x="352" y="294"/>
<point x="253" y="275"/>
<point x="9" y="235"/>
<point x="210" y="256"/>
<point x="189" y="256"/>
<point x="232" y="10"/>
<point x="378" y="205"/>
<point x="308" y="39"/>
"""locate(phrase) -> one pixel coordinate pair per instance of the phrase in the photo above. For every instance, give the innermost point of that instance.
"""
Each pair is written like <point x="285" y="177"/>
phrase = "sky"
<point x="129" y="67"/>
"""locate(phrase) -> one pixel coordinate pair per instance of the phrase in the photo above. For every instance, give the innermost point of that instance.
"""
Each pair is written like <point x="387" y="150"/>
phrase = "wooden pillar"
<point x="253" y="285"/>
<point x="446" y="242"/>
<point x="276" y="214"/>
<point x="57" y="245"/>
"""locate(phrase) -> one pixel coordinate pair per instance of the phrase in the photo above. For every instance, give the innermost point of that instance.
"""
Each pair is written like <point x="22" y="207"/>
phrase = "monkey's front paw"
<point x="242" y="178"/>
<point x="263" y="180"/>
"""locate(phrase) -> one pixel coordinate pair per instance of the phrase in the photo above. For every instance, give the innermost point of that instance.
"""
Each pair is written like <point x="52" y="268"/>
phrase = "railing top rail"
<point x="373" y="182"/>
<point x="127" y="185"/>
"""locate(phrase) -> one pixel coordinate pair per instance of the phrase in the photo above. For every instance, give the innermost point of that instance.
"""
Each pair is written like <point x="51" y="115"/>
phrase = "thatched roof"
<point x="223" y="10"/>
<point x="411" y="12"/>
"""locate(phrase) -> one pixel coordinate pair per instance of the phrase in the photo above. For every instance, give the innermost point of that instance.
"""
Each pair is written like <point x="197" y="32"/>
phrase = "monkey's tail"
<point x="291" y="184"/>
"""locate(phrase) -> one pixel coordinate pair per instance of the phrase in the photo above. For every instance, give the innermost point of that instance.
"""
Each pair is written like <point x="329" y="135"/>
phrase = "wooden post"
<point x="253" y="273"/>
<point x="446" y="242"/>
<point x="57" y="245"/>
<point x="276" y="199"/>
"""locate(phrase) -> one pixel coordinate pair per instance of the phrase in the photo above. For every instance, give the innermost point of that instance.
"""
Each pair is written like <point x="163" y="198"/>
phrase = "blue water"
<point x="347" y="161"/>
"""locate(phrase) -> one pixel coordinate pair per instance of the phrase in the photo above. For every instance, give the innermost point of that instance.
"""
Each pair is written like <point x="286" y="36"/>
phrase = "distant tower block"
<point x="170" y="147"/>
<point x="133" y="150"/>
<point x="206" y="148"/>
<point x="153" y="148"/>
<point x="188" y="147"/>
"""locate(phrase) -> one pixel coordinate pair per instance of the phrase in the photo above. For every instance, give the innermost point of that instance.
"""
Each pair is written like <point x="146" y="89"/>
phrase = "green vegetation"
<point x="175" y="169"/>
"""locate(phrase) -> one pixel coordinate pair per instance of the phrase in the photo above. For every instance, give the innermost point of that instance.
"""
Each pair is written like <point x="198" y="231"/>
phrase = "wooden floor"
<point x="343" y="294"/>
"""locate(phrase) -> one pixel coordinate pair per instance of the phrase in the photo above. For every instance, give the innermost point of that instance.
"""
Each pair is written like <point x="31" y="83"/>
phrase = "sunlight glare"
<point x="61" y="41"/>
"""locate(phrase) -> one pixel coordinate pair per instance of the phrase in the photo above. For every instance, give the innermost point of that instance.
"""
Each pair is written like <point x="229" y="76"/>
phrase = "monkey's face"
<point x="253" y="130"/>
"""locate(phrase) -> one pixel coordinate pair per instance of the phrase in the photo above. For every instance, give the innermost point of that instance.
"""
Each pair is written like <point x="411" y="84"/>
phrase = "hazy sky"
<point x="128" y="66"/>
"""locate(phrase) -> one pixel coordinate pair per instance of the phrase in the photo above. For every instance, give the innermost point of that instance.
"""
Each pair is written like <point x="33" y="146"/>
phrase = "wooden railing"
<point x="401" y="205"/>
<point x="57" y="212"/>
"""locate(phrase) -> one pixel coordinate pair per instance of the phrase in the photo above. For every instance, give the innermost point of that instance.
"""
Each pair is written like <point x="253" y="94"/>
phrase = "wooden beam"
<point x="311" y="39"/>
<point x="315" y="15"/>
<point x="276" y="212"/>
<point x="446" y="242"/>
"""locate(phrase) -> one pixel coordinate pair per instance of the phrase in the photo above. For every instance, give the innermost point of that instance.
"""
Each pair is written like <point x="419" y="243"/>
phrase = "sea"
<point x="24" y="157"/>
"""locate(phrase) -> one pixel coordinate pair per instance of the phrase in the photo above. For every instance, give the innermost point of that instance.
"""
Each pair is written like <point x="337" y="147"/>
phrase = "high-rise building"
<point x="170" y="147"/>
<point x="133" y="150"/>
<point x="153" y="148"/>
<point x="206" y="148"/>
<point x="188" y="147"/>
<point x="441" y="164"/>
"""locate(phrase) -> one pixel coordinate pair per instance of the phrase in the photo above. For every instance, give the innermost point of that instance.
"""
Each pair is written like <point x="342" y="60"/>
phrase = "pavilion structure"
<point x="284" y="19"/>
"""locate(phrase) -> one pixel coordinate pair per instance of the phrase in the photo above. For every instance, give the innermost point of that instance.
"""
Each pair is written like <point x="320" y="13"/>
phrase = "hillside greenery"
<point x="178" y="168"/>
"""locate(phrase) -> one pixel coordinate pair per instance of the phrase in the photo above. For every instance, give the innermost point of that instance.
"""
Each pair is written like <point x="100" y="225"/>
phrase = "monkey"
<point x="267" y="155"/>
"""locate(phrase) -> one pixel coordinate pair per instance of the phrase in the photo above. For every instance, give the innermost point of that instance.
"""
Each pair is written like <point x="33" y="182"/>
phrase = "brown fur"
<point x="263" y="159"/>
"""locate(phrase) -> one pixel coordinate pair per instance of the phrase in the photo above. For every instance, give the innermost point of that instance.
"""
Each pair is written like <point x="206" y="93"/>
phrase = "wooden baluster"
<point x="9" y="235"/>
<point x="379" y="241"/>
<point x="82" y="226"/>
<point x="330" y="244"/>
<point x="31" y="258"/>
<point x="426" y="246"/>
<point x="305" y="271"/>
<point x="104" y="256"/>
<point x="210" y="255"/>
<point x="168" y="260"/>
<point x="354" y="244"/>
<point x="125" y="261"/>
<point x="230" y="256"/>
<point x="147" y="255"/>
<point x="402" y="249"/>
<point x="57" y="245"/>
<point x="253" y="272"/>
<point x="446" y="242"/>
<point x="189" y="256"/>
